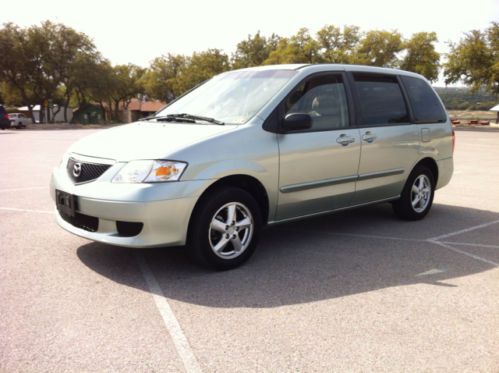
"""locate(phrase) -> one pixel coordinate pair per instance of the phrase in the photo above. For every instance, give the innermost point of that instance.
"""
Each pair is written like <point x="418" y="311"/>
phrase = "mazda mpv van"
<point x="255" y="147"/>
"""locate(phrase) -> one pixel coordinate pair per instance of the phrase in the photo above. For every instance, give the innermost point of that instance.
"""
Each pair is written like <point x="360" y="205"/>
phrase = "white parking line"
<point x="26" y="188"/>
<point x="360" y="235"/>
<point x="465" y="253"/>
<point x="471" y="244"/>
<point x="172" y="325"/>
<point x="26" y="210"/>
<point x="438" y="238"/>
<point x="430" y="240"/>
<point x="376" y="236"/>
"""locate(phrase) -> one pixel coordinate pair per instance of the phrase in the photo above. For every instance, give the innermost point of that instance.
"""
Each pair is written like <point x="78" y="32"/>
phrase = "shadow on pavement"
<point x="311" y="260"/>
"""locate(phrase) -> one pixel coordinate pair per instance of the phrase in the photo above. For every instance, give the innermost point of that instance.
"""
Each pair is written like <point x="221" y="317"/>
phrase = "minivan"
<point x="256" y="147"/>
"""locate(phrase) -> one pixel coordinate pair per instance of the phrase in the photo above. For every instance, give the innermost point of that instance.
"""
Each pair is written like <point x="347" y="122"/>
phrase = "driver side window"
<point x="324" y="99"/>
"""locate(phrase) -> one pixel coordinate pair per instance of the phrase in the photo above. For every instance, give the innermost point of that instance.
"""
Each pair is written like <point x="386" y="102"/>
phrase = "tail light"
<point x="6" y="116"/>
<point x="453" y="140"/>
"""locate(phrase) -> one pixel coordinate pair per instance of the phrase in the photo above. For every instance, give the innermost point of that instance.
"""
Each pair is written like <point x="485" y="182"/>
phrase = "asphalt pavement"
<point x="353" y="291"/>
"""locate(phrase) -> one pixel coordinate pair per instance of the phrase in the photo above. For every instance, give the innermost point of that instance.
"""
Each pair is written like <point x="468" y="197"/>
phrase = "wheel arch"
<point x="246" y="182"/>
<point x="431" y="164"/>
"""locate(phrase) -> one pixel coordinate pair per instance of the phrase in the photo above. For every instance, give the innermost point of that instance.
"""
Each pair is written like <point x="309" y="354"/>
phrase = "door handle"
<point x="345" y="139"/>
<point x="369" y="137"/>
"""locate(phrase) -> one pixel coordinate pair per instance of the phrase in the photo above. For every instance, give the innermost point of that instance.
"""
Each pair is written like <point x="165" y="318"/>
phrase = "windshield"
<point x="232" y="97"/>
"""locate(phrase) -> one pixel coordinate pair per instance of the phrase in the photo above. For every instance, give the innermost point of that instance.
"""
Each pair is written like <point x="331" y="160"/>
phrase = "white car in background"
<point x="18" y="120"/>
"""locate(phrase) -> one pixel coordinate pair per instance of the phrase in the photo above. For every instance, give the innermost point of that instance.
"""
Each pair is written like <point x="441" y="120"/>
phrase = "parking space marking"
<point x="430" y="240"/>
<point x="360" y="235"/>
<point x="25" y="188"/>
<point x="471" y="244"/>
<point x="172" y="325"/>
<point x="465" y="253"/>
<point x="465" y="230"/>
<point x="26" y="210"/>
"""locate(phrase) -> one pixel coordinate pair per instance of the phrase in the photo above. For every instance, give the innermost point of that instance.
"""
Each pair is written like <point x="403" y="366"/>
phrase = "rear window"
<point x="424" y="101"/>
<point x="381" y="100"/>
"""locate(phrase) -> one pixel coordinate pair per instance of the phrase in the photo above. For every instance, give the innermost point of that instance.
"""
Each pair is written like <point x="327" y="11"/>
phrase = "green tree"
<point x="300" y="48"/>
<point x="475" y="60"/>
<point x="337" y="46"/>
<point x="199" y="67"/>
<point x="125" y="85"/>
<point x="95" y="82"/>
<point x="254" y="50"/>
<point x="379" y="48"/>
<point x="421" y="56"/>
<point x="66" y="52"/>
<point x="159" y="79"/>
<point x="18" y="67"/>
<point x="40" y="63"/>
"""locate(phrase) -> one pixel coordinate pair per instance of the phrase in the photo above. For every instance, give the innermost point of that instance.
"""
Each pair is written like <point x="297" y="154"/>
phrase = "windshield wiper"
<point x="196" y="117"/>
<point x="168" y="118"/>
<point x="184" y="117"/>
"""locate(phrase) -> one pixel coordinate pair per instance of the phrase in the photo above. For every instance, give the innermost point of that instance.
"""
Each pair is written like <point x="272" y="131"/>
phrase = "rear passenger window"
<point x="424" y="101"/>
<point x="324" y="99"/>
<point x="380" y="99"/>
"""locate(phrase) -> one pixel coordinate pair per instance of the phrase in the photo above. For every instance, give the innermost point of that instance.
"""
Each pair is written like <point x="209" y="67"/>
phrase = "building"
<point x="56" y="115"/>
<point x="88" y="114"/>
<point x="496" y="109"/>
<point x="137" y="109"/>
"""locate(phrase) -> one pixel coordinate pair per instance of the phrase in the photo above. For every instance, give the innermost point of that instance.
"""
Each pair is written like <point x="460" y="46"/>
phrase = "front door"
<point x="318" y="166"/>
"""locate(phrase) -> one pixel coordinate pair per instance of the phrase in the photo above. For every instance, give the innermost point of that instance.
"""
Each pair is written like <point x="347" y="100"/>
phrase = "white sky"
<point x="138" y="31"/>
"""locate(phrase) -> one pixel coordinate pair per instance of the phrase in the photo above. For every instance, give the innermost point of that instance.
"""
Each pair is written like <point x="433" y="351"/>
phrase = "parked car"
<point x="19" y="120"/>
<point x="4" y="118"/>
<point x="256" y="147"/>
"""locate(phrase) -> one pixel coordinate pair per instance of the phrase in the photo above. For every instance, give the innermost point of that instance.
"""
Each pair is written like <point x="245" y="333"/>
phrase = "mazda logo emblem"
<point x="77" y="169"/>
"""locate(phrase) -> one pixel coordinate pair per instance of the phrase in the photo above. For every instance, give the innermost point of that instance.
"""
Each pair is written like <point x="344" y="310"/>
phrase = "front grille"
<point x="81" y="172"/>
<point x="86" y="222"/>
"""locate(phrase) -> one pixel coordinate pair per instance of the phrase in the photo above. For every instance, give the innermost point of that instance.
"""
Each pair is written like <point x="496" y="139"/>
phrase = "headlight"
<point x="150" y="172"/>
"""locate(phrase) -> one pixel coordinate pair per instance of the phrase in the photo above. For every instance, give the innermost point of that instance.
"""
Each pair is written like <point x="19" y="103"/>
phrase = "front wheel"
<point x="224" y="229"/>
<point x="417" y="197"/>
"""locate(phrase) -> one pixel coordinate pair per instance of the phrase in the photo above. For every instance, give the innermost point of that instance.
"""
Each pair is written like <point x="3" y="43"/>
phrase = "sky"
<point x="138" y="31"/>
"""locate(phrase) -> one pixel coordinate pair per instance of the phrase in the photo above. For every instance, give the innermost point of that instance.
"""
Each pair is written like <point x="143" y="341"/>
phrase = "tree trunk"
<point x="54" y="113"/>
<point x="103" y="111"/>
<point x="41" y="114"/>
<point x="65" y="112"/>
<point x="116" y="110"/>
<point x="31" y="114"/>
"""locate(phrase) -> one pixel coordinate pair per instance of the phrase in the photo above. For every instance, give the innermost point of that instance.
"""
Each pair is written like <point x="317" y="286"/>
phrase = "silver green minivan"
<point x="255" y="147"/>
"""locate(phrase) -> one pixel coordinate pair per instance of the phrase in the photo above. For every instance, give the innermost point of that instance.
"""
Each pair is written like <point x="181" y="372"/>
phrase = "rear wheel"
<point x="417" y="197"/>
<point x="225" y="229"/>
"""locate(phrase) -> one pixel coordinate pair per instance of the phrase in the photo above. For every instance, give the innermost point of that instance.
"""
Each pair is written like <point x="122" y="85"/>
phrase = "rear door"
<point x="389" y="141"/>
<point x="430" y="119"/>
<point x="318" y="166"/>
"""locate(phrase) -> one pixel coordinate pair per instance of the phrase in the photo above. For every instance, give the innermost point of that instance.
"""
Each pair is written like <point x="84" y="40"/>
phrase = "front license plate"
<point x="65" y="202"/>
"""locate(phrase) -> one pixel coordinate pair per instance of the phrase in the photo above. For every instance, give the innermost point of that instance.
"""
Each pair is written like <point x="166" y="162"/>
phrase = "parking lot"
<point x="354" y="291"/>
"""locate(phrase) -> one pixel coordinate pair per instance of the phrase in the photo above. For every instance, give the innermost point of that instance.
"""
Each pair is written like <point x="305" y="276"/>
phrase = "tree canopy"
<point x="53" y="64"/>
<point x="475" y="60"/>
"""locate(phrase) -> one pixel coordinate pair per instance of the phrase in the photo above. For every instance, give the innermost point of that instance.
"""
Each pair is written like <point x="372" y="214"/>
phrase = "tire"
<point x="414" y="204"/>
<point x="219" y="241"/>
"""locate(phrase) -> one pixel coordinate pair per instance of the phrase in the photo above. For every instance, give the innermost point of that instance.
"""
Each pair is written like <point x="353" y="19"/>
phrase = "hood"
<point x="145" y="140"/>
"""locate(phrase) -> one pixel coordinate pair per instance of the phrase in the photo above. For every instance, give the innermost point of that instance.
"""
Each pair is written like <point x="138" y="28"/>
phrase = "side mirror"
<point x="296" y="122"/>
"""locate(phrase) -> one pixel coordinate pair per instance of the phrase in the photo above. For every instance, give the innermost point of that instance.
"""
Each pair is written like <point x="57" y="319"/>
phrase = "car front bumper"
<point x="164" y="209"/>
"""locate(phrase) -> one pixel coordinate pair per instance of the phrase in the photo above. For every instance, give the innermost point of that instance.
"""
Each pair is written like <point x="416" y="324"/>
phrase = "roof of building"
<point x="145" y="106"/>
<point x="495" y="108"/>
